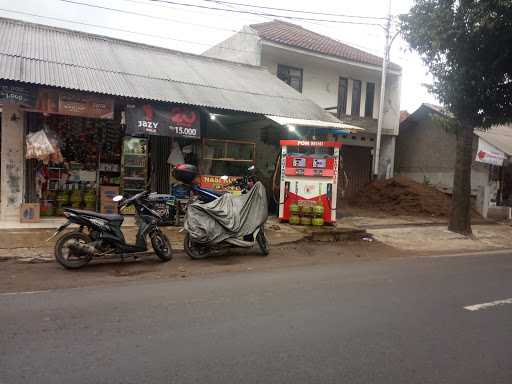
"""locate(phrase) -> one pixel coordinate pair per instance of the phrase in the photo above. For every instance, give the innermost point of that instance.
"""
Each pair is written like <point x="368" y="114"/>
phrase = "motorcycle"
<point x="100" y="236"/>
<point x="208" y="214"/>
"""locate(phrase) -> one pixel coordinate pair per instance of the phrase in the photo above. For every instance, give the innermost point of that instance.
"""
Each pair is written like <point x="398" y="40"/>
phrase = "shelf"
<point x="134" y="154"/>
<point x="133" y="178"/>
<point x="134" y="166"/>
<point x="133" y="189"/>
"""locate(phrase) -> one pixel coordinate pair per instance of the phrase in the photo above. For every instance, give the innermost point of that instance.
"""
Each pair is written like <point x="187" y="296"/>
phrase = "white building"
<point x="341" y="79"/>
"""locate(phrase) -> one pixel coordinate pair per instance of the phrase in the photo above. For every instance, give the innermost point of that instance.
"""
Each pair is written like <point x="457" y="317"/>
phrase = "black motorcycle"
<point x="100" y="236"/>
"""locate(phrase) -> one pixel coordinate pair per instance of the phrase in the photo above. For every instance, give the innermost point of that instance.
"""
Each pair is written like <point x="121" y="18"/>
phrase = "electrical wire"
<point x="296" y="10"/>
<point x="267" y="14"/>
<point x="119" y="29"/>
<point x="153" y="16"/>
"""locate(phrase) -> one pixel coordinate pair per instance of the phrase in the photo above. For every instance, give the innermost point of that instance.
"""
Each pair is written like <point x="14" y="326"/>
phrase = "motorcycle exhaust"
<point x="83" y="249"/>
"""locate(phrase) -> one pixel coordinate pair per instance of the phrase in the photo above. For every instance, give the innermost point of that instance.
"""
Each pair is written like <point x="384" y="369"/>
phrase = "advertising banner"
<point x="173" y="120"/>
<point x="46" y="100"/>
<point x="489" y="154"/>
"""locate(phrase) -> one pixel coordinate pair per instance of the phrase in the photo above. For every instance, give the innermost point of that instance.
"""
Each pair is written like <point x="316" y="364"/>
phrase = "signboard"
<point x="174" y="120"/>
<point x="216" y="183"/>
<point x="489" y="154"/>
<point x="25" y="95"/>
<point x="46" y="100"/>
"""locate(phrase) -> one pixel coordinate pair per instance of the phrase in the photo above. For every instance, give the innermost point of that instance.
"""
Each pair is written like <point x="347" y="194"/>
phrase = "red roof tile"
<point x="293" y="35"/>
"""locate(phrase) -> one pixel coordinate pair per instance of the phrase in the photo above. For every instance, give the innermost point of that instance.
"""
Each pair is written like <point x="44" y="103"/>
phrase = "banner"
<point x="46" y="100"/>
<point x="489" y="154"/>
<point x="25" y="95"/>
<point x="174" y="120"/>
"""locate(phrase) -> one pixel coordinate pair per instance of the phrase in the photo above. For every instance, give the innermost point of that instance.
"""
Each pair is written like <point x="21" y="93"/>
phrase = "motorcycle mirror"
<point x="224" y="178"/>
<point x="251" y="168"/>
<point x="117" y="198"/>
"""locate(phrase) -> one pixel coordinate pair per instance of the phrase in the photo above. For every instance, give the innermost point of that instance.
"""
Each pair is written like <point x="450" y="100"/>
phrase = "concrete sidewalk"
<point x="437" y="238"/>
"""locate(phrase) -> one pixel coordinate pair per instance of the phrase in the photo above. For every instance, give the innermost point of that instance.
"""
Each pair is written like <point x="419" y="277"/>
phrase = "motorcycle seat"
<point x="104" y="216"/>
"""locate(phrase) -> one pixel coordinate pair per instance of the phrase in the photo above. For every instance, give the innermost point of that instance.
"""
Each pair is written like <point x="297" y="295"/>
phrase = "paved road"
<point x="390" y="321"/>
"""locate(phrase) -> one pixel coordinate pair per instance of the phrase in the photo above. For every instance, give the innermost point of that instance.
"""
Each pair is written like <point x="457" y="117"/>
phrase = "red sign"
<point x="308" y="143"/>
<point x="162" y="120"/>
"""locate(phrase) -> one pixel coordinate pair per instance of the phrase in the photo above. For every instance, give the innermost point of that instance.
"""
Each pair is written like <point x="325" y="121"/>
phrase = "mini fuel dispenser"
<point x="309" y="181"/>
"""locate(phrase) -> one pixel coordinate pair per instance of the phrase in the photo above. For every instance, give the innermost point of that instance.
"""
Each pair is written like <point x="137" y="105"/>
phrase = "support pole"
<point x="376" y="158"/>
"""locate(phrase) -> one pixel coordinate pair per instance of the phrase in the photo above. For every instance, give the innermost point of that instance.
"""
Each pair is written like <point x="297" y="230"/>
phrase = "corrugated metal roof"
<point x="58" y="57"/>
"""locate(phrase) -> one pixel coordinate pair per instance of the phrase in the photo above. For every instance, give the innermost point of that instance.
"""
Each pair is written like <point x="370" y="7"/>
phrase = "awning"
<point x="313" y="123"/>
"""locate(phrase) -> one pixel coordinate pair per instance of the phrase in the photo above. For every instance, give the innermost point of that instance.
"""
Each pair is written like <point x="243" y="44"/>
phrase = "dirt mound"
<point x="402" y="196"/>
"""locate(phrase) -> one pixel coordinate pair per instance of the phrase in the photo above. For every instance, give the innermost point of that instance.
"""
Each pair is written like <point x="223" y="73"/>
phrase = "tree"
<point x="467" y="46"/>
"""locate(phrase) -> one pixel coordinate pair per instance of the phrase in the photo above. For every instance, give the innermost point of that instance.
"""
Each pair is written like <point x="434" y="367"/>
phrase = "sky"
<point x="194" y="30"/>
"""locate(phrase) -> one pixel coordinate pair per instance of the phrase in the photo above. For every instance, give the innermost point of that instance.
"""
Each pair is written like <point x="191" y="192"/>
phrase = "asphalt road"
<point x="399" y="320"/>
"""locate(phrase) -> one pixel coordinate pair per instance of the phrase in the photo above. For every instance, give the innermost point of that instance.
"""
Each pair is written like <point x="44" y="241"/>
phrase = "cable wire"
<point x="296" y="10"/>
<point x="267" y="14"/>
<point x="210" y="45"/>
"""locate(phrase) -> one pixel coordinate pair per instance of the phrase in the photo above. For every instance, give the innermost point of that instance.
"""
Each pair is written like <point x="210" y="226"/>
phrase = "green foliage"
<point x="467" y="45"/>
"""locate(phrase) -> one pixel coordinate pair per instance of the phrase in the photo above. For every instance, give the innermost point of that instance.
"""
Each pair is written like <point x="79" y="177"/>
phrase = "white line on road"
<point x="490" y="304"/>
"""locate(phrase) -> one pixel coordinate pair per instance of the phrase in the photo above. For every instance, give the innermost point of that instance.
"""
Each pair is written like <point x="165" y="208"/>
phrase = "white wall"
<point x="242" y="47"/>
<point x="321" y="78"/>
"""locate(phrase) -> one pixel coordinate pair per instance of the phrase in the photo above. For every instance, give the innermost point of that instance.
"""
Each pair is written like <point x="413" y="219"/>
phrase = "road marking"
<point x="490" y="304"/>
<point x="22" y="293"/>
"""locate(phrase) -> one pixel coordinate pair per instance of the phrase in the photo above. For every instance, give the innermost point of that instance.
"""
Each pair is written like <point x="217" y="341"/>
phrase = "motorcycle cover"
<point x="228" y="218"/>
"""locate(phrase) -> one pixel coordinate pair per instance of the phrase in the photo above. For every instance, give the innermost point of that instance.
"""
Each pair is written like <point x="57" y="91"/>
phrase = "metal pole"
<point x="376" y="158"/>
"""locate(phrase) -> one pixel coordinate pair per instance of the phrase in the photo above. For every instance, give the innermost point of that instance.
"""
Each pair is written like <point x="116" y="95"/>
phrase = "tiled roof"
<point x="41" y="54"/>
<point x="293" y="35"/>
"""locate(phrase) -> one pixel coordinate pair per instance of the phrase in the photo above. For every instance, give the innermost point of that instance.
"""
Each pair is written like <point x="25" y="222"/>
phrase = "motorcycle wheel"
<point x="262" y="241"/>
<point x="193" y="251"/>
<point x="65" y="256"/>
<point x="161" y="246"/>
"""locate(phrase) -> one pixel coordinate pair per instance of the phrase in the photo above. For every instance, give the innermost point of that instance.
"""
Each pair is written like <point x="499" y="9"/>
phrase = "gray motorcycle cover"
<point x="227" y="218"/>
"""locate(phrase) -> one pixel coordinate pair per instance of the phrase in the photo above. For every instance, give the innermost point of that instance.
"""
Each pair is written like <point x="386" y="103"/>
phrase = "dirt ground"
<point x="403" y="196"/>
<point x="16" y="275"/>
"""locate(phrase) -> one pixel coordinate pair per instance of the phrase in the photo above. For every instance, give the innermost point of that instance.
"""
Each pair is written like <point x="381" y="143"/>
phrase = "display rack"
<point x="134" y="162"/>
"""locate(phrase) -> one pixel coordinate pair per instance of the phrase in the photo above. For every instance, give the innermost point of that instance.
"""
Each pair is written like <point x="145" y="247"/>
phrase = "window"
<point x="291" y="76"/>
<point x="342" y="96"/>
<point x="370" y="95"/>
<point x="356" y="97"/>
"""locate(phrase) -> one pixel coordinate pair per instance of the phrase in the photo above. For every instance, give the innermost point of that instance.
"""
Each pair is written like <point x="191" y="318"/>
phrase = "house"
<point x="114" y="111"/>
<point x="426" y="153"/>
<point x="342" y="79"/>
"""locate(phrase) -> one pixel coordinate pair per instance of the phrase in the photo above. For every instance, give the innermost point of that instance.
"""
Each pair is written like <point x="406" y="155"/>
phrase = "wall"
<point x="321" y="78"/>
<point x="242" y="47"/>
<point x="12" y="163"/>
<point x="426" y="154"/>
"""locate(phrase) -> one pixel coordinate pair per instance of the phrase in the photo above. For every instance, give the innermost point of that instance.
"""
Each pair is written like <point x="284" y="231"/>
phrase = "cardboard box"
<point x="29" y="213"/>
<point x="107" y="193"/>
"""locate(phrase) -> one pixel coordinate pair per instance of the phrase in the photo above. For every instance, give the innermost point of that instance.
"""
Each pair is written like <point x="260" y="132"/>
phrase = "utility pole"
<point x="385" y="61"/>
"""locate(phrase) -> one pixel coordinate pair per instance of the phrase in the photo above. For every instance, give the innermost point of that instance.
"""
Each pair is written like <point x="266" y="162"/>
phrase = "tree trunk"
<point x="460" y="217"/>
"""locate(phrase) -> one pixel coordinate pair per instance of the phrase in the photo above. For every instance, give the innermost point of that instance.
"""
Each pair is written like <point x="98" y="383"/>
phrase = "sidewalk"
<point x="430" y="234"/>
<point x="28" y="243"/>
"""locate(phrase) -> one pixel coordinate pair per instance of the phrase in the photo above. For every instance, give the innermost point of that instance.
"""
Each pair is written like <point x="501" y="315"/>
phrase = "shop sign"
<point x="174" y="120"/>
<point x="24" y="95"/>
<point x="46" y="100"/>
<point x="216" y="183"/>
<point x="74" y="104"/>
<point x="489" y="154"/>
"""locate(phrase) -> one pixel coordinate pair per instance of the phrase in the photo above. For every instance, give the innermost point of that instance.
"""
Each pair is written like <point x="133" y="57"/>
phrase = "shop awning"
<point x="290" y="121"/>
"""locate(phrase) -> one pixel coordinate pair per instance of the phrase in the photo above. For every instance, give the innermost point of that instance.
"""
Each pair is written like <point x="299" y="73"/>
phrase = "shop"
<point x="81" y="150"/>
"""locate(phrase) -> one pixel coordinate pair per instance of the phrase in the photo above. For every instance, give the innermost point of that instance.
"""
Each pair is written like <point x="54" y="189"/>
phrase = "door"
<point x="355" y="171"/>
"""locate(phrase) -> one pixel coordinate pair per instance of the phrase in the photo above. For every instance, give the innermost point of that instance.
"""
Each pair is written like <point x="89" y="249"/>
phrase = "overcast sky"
<point x="194" y="30"/>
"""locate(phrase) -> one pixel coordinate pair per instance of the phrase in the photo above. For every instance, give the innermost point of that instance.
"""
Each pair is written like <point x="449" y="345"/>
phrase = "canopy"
<point x="313" y="123"/>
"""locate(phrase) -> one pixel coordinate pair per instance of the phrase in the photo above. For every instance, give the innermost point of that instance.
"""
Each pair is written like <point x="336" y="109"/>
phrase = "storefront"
<point x="79" y="150"/>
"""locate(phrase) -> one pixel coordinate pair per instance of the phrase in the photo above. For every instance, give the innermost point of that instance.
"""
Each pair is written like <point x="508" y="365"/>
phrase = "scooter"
<point x="188" y="174"/>
<point x="100" y="236"/>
